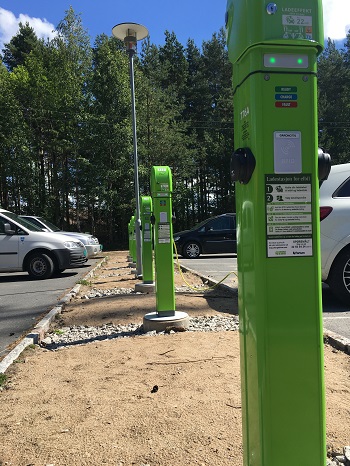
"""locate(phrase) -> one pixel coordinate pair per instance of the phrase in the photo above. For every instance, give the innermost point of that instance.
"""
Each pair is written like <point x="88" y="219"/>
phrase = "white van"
<point x="24" y="247"/>
<point x="91" y="243"/>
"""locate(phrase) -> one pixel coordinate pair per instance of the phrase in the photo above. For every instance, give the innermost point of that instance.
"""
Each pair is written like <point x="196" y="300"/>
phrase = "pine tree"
<point x="333" y="110"/>
<point x="20" y="46"/>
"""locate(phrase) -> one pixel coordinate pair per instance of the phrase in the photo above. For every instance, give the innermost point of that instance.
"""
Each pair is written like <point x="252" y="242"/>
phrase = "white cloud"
<point x="336" y="18"/>
<point x="9" y="26"/>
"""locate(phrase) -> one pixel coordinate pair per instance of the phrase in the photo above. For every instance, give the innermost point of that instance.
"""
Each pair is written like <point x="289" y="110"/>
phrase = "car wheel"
<point x="40" y="266"/>
<point x="191" y="250"/>
<point x="339" y="278"/>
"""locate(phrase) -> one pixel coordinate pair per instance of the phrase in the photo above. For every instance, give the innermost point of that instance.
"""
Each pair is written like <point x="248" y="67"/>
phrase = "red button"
<point x="286" y="104"/>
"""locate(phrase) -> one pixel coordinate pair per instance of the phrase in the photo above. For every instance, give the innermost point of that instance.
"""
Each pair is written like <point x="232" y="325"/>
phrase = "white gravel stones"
<point x="84" y="334"/>
<point x="340" y="460"/>
<point x="99" y="293"/>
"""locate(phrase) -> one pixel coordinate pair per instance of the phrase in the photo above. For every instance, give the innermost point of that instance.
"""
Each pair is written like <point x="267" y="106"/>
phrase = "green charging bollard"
<point x="130" y="232"/>
<point x="147" y="286"/>
<point x="147" y="247"/>
<point x="133" y="239"/>
<point x="161" y="190"/>
<point x="274" y="48"/>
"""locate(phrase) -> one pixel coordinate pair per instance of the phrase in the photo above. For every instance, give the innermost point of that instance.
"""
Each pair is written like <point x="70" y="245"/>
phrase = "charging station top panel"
<point x="161" y="181"/>
<point x="286" y="22"/>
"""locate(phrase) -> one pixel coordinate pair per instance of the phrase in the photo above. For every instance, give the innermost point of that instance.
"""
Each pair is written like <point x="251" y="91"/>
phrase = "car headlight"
<point x="73" y="244"/>
<point x="92" y="240"/>
<point x="176" y="238"/>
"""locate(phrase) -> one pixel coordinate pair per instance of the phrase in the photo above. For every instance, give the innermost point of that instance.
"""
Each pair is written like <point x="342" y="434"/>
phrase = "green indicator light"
<point x="300" y="61"/>
<point x="272" y="60"/>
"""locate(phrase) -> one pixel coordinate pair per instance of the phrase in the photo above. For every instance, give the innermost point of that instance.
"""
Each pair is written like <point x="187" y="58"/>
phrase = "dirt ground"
<point x="96" y="404"/>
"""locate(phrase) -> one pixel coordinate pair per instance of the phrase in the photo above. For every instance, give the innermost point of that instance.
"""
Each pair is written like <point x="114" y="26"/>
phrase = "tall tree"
<point x="20" y="46"/>
<point x="333" y="103"/>
<point x="70" y="68"/>
<point x="15" y="158"/>
<point x="110" y="138"/>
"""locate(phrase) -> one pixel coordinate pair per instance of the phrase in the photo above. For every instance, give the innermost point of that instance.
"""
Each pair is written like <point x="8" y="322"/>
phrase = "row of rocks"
<point x="340" y="460"/>
<point x="84" y="334"/>
<point x="101" y="293"/>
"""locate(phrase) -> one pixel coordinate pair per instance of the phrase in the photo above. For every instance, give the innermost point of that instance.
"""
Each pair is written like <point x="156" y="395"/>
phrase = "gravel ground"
<point x="86" y="334"/>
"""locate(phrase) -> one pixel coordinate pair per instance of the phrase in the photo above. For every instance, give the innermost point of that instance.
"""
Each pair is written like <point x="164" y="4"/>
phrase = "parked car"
<point x="335" y="231"/>
<point x="91" y="243"/>
<point x="216" y="235"/>
<point x="24" y="247"/>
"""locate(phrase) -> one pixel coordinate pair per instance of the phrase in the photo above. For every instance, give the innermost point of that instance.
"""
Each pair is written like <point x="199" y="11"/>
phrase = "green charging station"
<point x="129" y="240"/>
<point x="132" y="239"/>
<point x="165" y="315"/>
<point x="273" y="48"/>
<point x="161" y="190"/>
<point x="147" y="247"/>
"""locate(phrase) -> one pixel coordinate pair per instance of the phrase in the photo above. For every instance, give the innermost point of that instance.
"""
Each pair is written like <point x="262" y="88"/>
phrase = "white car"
<point x="24" y="247"/>
<point x="335" y="231"/>
<point x="90" y="242"/>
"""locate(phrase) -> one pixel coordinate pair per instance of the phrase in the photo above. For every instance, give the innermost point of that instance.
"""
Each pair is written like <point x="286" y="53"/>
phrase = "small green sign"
<point x="286" y="89"/>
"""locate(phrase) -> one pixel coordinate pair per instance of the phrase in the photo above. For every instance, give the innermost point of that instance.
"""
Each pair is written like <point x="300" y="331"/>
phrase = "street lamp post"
<point x="130" y="33"/>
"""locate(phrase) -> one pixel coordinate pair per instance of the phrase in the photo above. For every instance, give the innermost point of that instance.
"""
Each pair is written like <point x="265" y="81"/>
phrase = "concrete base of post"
<point x="145" y="287"/>
<point x="153" y="321"/>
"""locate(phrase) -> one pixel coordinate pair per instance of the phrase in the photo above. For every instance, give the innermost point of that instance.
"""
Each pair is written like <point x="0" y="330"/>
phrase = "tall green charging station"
<point x="147" y="247"/>
<point x="132" y="238"/>
<point x="273" y="48"/>
<point x="147" y="286"/>
<point x="161" y="190"/>
<point x="165" y="315"/>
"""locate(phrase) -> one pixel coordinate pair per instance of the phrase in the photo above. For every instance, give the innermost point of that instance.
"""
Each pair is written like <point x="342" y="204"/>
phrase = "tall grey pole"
<point x="130" y="33"/>
<point x="136" y="170"/>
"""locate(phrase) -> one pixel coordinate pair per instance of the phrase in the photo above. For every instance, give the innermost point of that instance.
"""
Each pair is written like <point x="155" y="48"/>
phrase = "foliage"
<point x="66" y="140"/>
<point x="334" y="103"/>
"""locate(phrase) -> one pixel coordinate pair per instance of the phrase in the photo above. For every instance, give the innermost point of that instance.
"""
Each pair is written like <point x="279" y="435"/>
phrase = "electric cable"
<point x="192" y="287"/>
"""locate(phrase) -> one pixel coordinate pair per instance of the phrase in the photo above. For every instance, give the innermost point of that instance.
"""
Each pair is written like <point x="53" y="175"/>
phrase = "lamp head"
<point x="130" y="33"/>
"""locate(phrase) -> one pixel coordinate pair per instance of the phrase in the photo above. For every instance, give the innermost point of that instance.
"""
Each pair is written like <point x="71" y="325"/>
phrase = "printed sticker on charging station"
<point x="276" y="166"/>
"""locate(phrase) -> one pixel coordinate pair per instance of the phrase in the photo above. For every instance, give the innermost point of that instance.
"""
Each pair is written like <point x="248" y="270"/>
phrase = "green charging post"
<point x="147" y="286"/>
<point x="273" y="48"/>
<point x="129" y="241"/>
<point x="132" y="241"/>
<point x="165" y="315"/>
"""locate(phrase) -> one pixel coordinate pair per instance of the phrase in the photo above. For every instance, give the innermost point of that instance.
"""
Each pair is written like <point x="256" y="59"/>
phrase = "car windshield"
<point x="200" y="224"/>
<point x="21" y="221"/>
<point x="49" y="225"/>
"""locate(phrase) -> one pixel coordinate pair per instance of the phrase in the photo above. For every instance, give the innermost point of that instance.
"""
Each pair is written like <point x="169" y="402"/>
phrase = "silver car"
<point x="335" y="231"/>
<point x="90" y="242"/>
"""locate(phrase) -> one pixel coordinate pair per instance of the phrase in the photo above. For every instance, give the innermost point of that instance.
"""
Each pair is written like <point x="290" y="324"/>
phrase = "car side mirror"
<point x="7" y="229"/>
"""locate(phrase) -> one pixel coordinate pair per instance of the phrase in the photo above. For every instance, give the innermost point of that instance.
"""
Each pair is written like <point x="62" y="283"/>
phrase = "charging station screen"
<point x="285" y="60"/>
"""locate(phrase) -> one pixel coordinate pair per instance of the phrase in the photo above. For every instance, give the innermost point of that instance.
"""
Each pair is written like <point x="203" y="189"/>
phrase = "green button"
<point x="286" y="89"/>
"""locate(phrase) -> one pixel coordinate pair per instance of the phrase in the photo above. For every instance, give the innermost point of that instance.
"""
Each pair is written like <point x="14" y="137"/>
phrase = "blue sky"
<point x="196" y="19"/>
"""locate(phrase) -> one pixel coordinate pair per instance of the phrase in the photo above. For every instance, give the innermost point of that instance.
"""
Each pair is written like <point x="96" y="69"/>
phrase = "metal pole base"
<point x="152" y="321"/>
<point x="145" y="287"/>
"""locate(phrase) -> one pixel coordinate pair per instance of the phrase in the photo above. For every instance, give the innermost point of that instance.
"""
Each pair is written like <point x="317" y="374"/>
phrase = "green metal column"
<point x="274" y="48"/>
<point x="147" y="247"/>
<point x="161" y="189"/>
